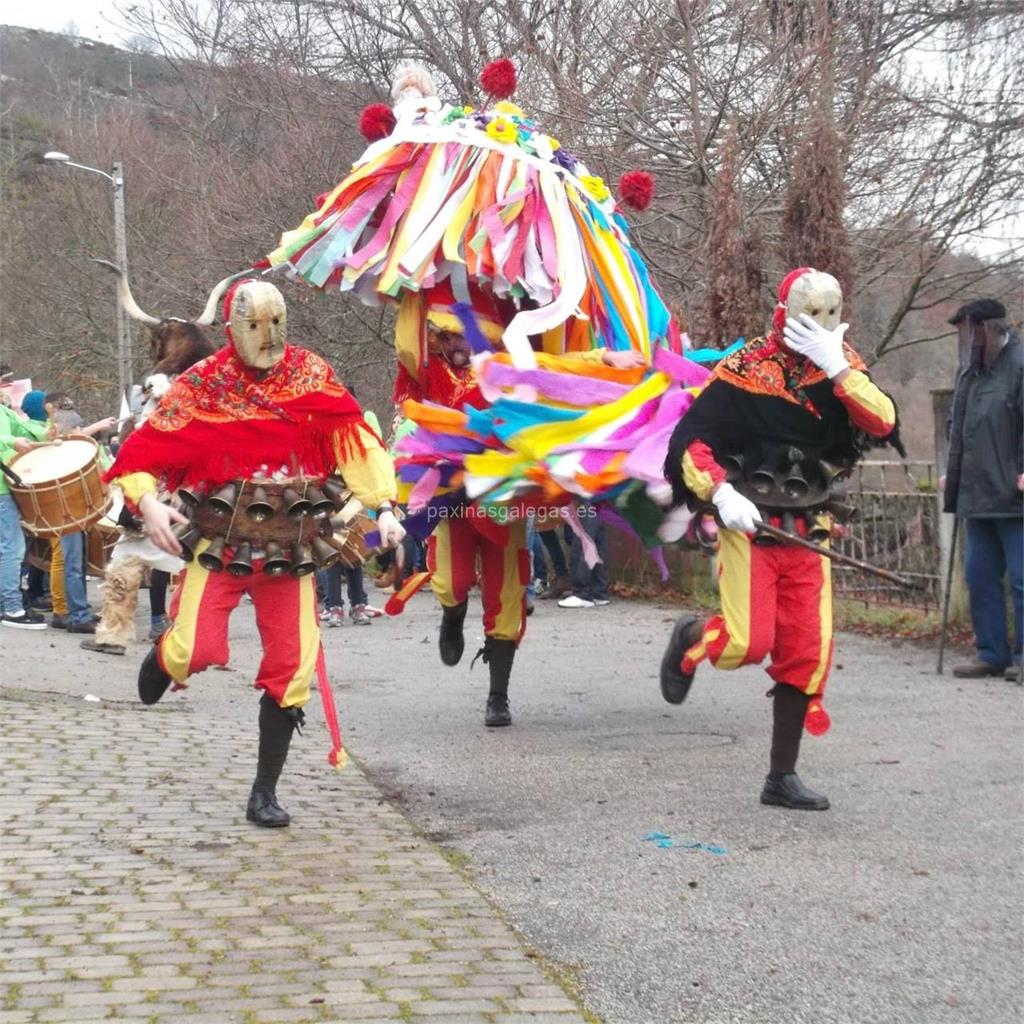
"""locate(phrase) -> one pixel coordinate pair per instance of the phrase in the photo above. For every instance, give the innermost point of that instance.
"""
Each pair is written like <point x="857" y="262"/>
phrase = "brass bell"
<point x="223" y="502"/>
<point x="335" y="489"/>
<point x="795" y="485"/>
<point x="212" y="559"/>
<point x="295" y="506"/>
<point x="241" y="564"/>
<point x="322" y="505"/>
<point x="276" y="562"/>
<point x="842" y="511"/>
<point x="302" y="560"/>
<point x="188" y="538"/>
<point x="323" y="554"/>
<point x="259" y="508"/>
<point x="763" y="480"/>
<point x="832" y="472"/>
<point x="190" y="496"/>
<point x="818" y="528"/>
<point x="733" y="466"/>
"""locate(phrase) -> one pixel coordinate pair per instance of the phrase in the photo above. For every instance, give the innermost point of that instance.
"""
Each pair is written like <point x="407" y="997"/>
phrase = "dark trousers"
<point x="329" y="585"/>
<point x="159" y="581"/>
<point x="590" y="584"/>
<point x="553" y="546"/>
<point x="414" y="556"/>
<point x="995" y="548"/>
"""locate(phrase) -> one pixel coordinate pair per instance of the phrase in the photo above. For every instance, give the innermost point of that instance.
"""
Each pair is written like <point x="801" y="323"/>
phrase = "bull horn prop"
<point x="125" y="297"/>
<point x="207" y="316"/>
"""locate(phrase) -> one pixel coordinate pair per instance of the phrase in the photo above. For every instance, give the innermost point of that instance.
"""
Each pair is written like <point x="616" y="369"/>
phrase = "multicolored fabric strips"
<point x="449" y="196"/>
<point x="593" y="434"/>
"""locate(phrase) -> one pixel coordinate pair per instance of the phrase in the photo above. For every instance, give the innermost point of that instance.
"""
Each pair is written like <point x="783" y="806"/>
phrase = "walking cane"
<point x="949" y="588"/>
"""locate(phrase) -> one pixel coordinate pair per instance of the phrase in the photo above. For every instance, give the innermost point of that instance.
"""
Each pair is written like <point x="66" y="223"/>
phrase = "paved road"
<point x="902" y="904"/>
<point x="131" y="887"/>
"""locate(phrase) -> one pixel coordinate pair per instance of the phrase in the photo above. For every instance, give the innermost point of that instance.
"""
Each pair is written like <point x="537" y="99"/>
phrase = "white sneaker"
<point x="572" y="601"/>
<point x="601" y="602"/>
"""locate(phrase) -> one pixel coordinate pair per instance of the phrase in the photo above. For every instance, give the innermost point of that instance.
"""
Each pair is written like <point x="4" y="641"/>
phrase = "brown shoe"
<point x="978" y="669"/>
<point x="559" y="588"/>
<point x="102" y="648"/>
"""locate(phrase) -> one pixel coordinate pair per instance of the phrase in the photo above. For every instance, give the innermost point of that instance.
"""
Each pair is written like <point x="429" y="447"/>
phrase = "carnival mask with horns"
<point x="256" y="323"/>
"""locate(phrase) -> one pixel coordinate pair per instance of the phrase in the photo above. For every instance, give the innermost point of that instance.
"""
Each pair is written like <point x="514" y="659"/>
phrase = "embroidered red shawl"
<point x="220" y="420"/>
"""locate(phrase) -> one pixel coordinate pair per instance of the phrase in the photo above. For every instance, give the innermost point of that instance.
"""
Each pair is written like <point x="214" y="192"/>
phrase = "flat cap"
<point x="979" y="310"/>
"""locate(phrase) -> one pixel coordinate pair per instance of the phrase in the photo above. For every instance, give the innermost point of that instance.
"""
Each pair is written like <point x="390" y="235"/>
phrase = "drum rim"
<point x="57" y="479"/>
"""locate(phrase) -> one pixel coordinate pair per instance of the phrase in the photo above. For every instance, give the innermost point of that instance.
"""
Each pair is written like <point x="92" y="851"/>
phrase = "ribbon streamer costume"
<point x="773" y="423"/>
<point x="496" y="244"/>
<point x="233" y="417"/>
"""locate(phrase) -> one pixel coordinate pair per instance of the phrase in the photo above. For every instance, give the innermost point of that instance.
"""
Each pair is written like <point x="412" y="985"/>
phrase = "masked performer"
<point x="435" y="366"/>
<point x="251" y="436"/>
<point x="496" y="243"/>
<point x="770" y="437"/>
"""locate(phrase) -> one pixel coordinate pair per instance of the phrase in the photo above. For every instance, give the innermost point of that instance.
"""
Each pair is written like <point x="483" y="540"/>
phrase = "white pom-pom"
<point x="157" y="385"/>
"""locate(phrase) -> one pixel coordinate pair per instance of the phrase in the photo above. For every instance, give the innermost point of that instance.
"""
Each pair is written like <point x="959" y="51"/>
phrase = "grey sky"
<point x="93" y="17"/>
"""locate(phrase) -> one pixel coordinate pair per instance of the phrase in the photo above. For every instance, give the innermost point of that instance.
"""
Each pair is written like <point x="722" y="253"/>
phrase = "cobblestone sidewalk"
<point x="133" y="888"/>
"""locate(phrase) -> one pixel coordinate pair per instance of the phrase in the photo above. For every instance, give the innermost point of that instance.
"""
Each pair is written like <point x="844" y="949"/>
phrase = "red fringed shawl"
<point x="220" y="421"/>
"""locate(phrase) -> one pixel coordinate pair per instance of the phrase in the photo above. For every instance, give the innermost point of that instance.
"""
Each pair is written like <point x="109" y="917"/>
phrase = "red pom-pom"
<point x="636" y="189"/>
<point x="816" y="721"/>
<point x="499" y="78"/>
<point x="377" y="121"/>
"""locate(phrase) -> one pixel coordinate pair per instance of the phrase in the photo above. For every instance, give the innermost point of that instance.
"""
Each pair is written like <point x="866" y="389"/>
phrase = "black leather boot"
<point x="276" y="727"/>
<point x="153" y="680"/>
<point x="788" y="791"/>
<point x="451" y="641"/>
<point x="782" y="787"/>
<point x="675" y="683"/>
<point x="498" y="656"/>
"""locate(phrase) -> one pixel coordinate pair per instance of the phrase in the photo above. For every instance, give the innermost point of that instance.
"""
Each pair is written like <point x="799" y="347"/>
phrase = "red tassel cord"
<point x="816" y="721"/>
<point x="337" y="757"/>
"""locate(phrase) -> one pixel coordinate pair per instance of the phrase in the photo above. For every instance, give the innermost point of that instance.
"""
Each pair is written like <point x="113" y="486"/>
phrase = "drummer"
<point x="17" y="433"/>
<point x="71" y="609"/>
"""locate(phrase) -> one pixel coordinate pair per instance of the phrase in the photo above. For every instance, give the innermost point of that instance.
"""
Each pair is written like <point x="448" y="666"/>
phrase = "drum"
<point x="99" y="542"/>
<point x="350" y="540"/>
<point x="61" y="489"/>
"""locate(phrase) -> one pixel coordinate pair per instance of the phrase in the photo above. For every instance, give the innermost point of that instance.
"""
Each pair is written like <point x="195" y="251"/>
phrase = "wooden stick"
<point x="945" y="600"/>
<point x="836" y="556"/>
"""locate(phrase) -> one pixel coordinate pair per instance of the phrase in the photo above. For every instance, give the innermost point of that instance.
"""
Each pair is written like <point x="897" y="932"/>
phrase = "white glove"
<point x="735" y="511"/>
<point x="823" y="347"/>
<point x="675" y="524"/>
<point x="390" y="529"/>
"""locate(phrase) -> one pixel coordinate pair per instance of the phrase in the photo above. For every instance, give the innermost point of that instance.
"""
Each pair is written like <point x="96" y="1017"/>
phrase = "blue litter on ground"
<point x="665" y="841"/>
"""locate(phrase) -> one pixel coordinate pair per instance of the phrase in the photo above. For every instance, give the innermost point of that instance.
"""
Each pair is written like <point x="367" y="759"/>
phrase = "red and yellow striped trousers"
<point x="504" y="571"/>
<point x="286" y="616"/>
<point x="777" y="602"/>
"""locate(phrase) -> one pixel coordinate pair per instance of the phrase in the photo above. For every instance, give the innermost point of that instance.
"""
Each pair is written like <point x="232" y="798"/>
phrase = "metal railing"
<point x="897" y="528"/>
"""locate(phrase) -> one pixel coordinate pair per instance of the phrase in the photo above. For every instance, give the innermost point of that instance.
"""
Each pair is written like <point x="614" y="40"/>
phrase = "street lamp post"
<point x="124" y="335"/>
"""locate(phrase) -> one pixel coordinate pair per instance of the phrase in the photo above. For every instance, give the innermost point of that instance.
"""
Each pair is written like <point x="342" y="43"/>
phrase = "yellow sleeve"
<point x="370" y="474"/>
<point x="136" y="486"/>
<point x="868" y="406"/>
<point x="701" y="473"/>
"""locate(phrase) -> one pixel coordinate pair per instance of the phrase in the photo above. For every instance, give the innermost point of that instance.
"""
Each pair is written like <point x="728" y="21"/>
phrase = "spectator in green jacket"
<point x="17" y="432"/>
